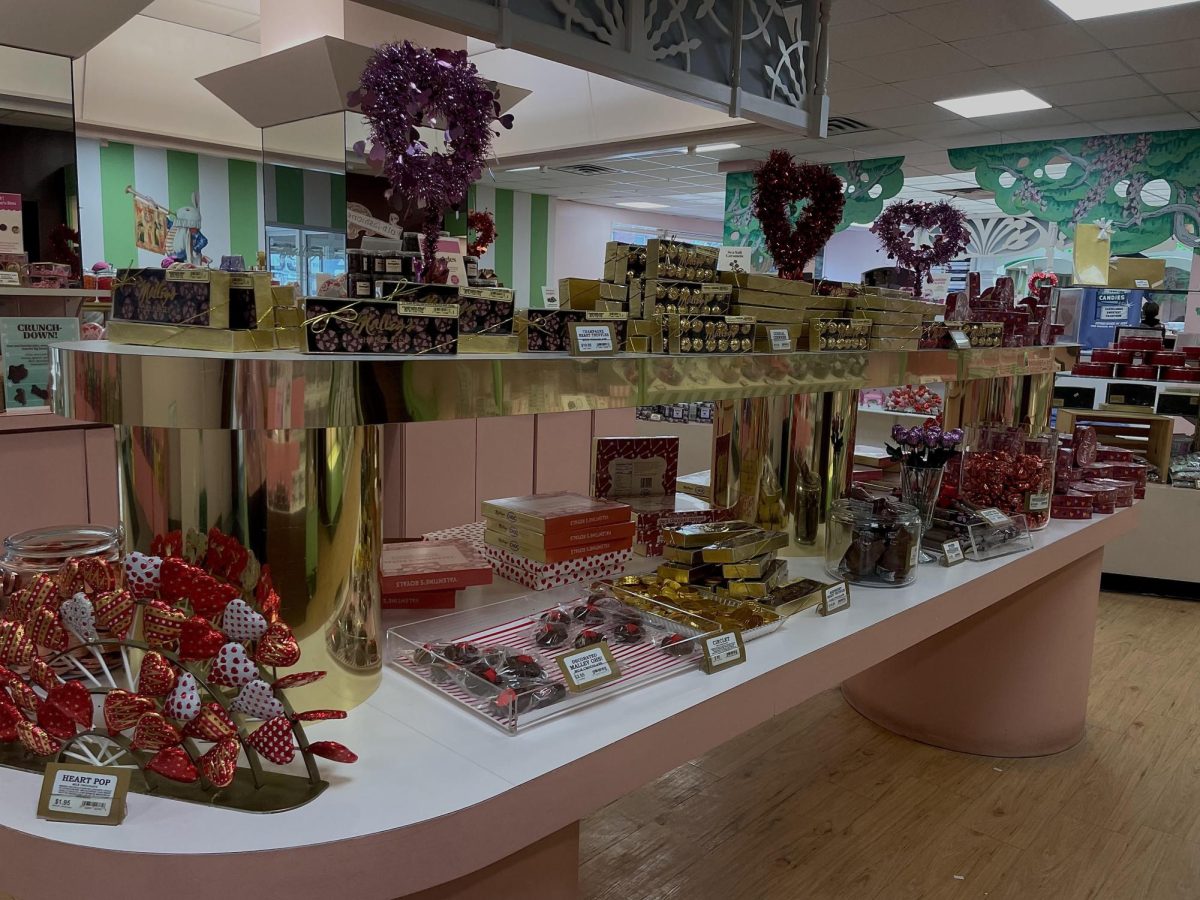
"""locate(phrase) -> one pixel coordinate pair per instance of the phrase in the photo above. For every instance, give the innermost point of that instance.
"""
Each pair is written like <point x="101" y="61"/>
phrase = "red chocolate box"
<point x="412" y="566"/>
<point x="634" y="466"/>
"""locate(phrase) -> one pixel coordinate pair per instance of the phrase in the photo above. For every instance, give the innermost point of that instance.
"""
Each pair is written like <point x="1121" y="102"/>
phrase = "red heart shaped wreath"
<point x="779" y="183"/>
<point x="484" y="227"/>
<point x="948" y="243"/>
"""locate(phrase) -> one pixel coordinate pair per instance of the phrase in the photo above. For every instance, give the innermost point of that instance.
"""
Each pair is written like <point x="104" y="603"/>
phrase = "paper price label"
<point x="87" y="794"/>
<point x="914" y="555"/>
<point x="1037" y="502"/>
<point x="178" y="273"/>
<point x="993" y="516"/>
<point x="594" y="338"/>
<point x="780" y="338"/>
<point x="734" y="257"/>
<point x="952" y="553"/>
<point x="837" y="598"/>
<point x="1141" y="283"/>
<point x="722" y="651"/>
<point x="588" y="668"/>
<point x="10" y="279"/>
<point x="549" y="297"/>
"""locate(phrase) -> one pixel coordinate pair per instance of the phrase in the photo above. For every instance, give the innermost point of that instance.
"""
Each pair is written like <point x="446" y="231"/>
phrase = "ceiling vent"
<point x="587" y="169"/>
<point x="846" y="125"/>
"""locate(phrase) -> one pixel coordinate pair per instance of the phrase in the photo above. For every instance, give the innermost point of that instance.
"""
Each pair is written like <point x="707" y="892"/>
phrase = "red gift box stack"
<point x="1093" y="478"/>
<point x="1027" y="323"/>
<point x="1141" y="357"/>
<point x="428" y="574"/>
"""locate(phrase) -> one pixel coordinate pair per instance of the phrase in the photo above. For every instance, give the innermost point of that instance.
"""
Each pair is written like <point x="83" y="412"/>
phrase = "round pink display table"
<point x="990" y="657"/>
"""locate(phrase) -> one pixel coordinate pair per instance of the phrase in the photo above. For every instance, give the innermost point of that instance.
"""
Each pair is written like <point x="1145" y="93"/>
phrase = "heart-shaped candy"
<point x="266" y="596"/>
<point x="256" y="701"/>
<point x="24" y="697"/>
<point x="199" y="640"/>
<point x="35" y="739"/>
<point x="233" y="666"/>
<point x="45" y="630"/>
<point x="320" y="715"/>
<point x="226" y="556"/>
<point x="98" y="574"/>
<point x="219" y="764"/>
<point x="15" y="647"/>
<point x="161" y="624"/>
<point x="156" y="677"/>
<point x="70" y="579"/>
<point x="114" y="612"/>
<point x="333" y="750"/>
<point x="73" y="700"/>
<point x="175" y="764"/>
<point x="296" y="679"/>
<point x="153" y="732"/>
<point x="212" y="723"/>
<point x="9" y="716"/>
<point x="142" y="574"/>
<point x="181" y="580"/>
<point x="273" y="739"/>
<point x="278" y="647"/>
<point x="169" y="544"/>
<point x="241" y="623"/>
<point x="41" y="590"/>
<point x="42" y="675"/>
<point x="79" y="616"/>
<point x="183" y="703"/>
<point x="56" y="722"/>
<point x="123" y="709"/>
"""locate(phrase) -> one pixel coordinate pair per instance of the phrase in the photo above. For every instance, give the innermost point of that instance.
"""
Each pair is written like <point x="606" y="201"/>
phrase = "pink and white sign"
<point x="12" y="238"/>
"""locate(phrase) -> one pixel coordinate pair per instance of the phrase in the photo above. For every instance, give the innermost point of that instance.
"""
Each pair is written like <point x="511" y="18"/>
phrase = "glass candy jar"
<point x="1010" y="469"/>
<point x="29" y="553"/>
<point x="875" y="543"/>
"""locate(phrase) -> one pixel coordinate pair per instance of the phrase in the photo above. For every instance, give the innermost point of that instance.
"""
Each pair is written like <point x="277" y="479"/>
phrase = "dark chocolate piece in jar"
<point x="587" y="637"/>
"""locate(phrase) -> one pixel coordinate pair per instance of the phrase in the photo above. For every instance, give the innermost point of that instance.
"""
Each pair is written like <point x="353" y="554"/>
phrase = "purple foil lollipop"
<point x="933" y="437"/>
<point x="898" y="433"/>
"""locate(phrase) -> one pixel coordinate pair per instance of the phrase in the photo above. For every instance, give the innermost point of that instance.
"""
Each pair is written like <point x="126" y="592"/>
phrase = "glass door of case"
<point x="283" y="255"/>
<point x="324" y="257"/>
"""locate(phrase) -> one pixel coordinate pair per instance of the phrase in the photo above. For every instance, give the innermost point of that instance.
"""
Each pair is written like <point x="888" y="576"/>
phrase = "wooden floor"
<point x="820" y="803"/>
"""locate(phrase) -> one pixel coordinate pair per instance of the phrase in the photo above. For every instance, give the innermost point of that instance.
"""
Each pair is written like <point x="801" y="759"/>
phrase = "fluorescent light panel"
<point x="642" y="204"/>
<point x="645" y="154"/>
<point x="713" y="148"/>
<point x="525" y="169"/>
<point x="1095" y="9"/>
<point x="993" y="104"/>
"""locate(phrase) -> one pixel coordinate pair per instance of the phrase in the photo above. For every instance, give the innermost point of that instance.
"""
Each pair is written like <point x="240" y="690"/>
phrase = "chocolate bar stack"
<point x="546" y="540"/>
<point x="736" y="559"/>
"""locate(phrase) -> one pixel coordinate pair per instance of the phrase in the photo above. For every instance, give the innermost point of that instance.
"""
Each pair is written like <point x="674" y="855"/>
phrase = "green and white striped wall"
<point x="524" y="238"/>
<point x="304" y="198"/>
<point x="229" y="190"/>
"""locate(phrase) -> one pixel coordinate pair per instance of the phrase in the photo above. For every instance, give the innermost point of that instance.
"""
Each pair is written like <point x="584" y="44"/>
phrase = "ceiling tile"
<point x="214" y="17"/>
<point x="1118" y="109"/>
<point x="1051" y="132"/>
<point x="1169" y="122"/>
<point x="1189" y="101"/>
<point x="937" y="59"/>
<point x="1034" y="43"/>
<point x="1028" y="119"/>
<point x="962" y="19"/>
<point x="871" y="37"/>
<point x="1157" y="26"/>
<point x="846" y="11"/>
<point x="842" y="77"/>
<point x="963" y="84"/>
<point x="865" y="99"/>
<point x="916" y="114"/>
<point x="1160" y="57"/>
<point x="904" y="5"/>
<point x="981" y="139"/>
<point x="940" y="129"/>
<point x="1176" y="80"/>
<point x="1120" y="88"/>
<point x="1065" y="69"/>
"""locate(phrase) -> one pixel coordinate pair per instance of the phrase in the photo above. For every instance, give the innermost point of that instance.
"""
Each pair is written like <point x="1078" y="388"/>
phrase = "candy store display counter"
<point x="991" y="657"/>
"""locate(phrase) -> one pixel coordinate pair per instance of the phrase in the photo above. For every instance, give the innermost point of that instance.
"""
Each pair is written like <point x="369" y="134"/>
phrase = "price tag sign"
<point x="837" y="598"/>
<point x="1037" y="502"/>
<point x="730" y="259"/>
<point x="781" y="339"/>
<point x="549" y="297"/>
<point x="722" y="651"/>
<point x="588" y="668"/>
<point x="961" y="341"/>
<point x="952" y="553"/>
<point x="10" y="279"/>
<point x="1141" y="283"/>
<point x="993" y="516"/>
<point x="592" y="339"/>
<point x="93" y="795"/>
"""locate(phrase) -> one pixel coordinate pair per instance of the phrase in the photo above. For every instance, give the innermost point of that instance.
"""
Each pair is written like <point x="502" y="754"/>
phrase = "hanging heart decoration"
<point x="942" y="227"/>
<point x="405" y="88"/>
<point x="779" y="184"/>
<point x="484" y="227"/>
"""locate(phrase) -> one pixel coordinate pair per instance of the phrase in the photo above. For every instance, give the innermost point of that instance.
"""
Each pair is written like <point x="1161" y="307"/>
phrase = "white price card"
<point x="1037" y="502"/>
<point x="87" y="794"/>
<point x="993" y="516"/>
<point x="1141" y="283"/>
<point x="730" y="259"/>
<point x="952" y="553"/>
<point x="588" y="668"/>
<point x="781" y="338"/>
<point x="10" y="279"/>
<point x="961" y="341"/>
<point x="549" y="297"/>
<point x="594" y="338"/>
<point x="722" y="651"/>
<point x="837" y="598"/>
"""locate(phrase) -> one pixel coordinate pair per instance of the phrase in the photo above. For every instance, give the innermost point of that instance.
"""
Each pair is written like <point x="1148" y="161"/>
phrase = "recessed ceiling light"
<point x="993" y="104"/>
<point x="1094" y="9"/>
<point x="713" y="148"/>
<point x="642" y="204"/>
<point x="525" y="169"/>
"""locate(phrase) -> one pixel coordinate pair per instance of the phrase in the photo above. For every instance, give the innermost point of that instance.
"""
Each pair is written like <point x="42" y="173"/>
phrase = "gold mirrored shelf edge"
<point x="166" y="388"/>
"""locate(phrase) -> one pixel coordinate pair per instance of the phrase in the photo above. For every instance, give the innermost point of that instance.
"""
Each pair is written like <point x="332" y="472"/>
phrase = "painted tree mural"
<point x="868" y="184"/>
<point x="1146" y="186"/>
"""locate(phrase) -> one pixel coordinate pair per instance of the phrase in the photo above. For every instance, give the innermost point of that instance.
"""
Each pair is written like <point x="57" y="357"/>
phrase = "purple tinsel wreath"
<point x="948" y="243"/>
<point x="405" y="87"/>
<point x="778" y="184"/>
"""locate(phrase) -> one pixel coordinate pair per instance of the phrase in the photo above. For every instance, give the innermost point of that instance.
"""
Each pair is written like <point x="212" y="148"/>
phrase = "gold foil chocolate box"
<point x="704" y="533"/>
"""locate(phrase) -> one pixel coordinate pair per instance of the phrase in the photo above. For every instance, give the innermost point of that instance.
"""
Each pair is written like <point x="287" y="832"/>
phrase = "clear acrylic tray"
<point x="499" y="633"/>
<point x="989" y="541"/>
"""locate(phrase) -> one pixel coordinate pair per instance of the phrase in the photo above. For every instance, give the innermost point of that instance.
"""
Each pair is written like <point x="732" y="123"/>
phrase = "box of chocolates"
<point x="634" y="466"/>
<point x="652" y="515"/>
<point x="543" y="576"/>
<point x="591" y="293"/>
<point x="427" y="574"/>
<point x="1104" y="497"/>
<point x="207" y="298"/>
<point x="547" y="331"/>
<point x="623" y="262"/>
<point x="1123" y="490"/>
<point x="680" y="261"/>
<point x="335" y="325"/>
<point x="839" y="334"/>
<point x="1071" y="505"/>
<point x="671" y="297"/>
<point x="485" y="310"/>
<point x="709" y="334"/>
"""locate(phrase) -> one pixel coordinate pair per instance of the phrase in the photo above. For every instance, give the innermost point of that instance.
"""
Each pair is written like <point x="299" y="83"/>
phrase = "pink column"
<point x="1012" y="680"/>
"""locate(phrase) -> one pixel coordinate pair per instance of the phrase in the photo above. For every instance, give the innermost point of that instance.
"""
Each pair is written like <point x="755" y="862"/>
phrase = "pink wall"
<point x="581" y="230"/>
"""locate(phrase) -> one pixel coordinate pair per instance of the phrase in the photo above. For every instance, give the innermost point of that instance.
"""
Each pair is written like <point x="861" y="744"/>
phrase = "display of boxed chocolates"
<point x="672" y="297"/>
<point x="680" y="261"/>
<point x="334" y="325"/>
<point x="548" y="331"/>
<point x="427" y="574"/>
<point x="839" y="334"/>
<point x="708" y="334"/>
<point x="593" y="294"/>
<point x="652" y="515"/>
<point x="634" y="466"/>
<point x="485" y="311"/>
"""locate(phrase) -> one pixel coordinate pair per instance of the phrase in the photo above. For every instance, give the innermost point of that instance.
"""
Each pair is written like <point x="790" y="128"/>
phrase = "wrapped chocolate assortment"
<point x="937" y="335"/>
<point x="708" y="334"/>
<point x="672" y="297"/>
<point x="1011" y="470"/>
<point x="679" y="261"/>
<point x="839" y="334"/>
<point x="691" y="606"/>
<point x="874" y="542"/>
